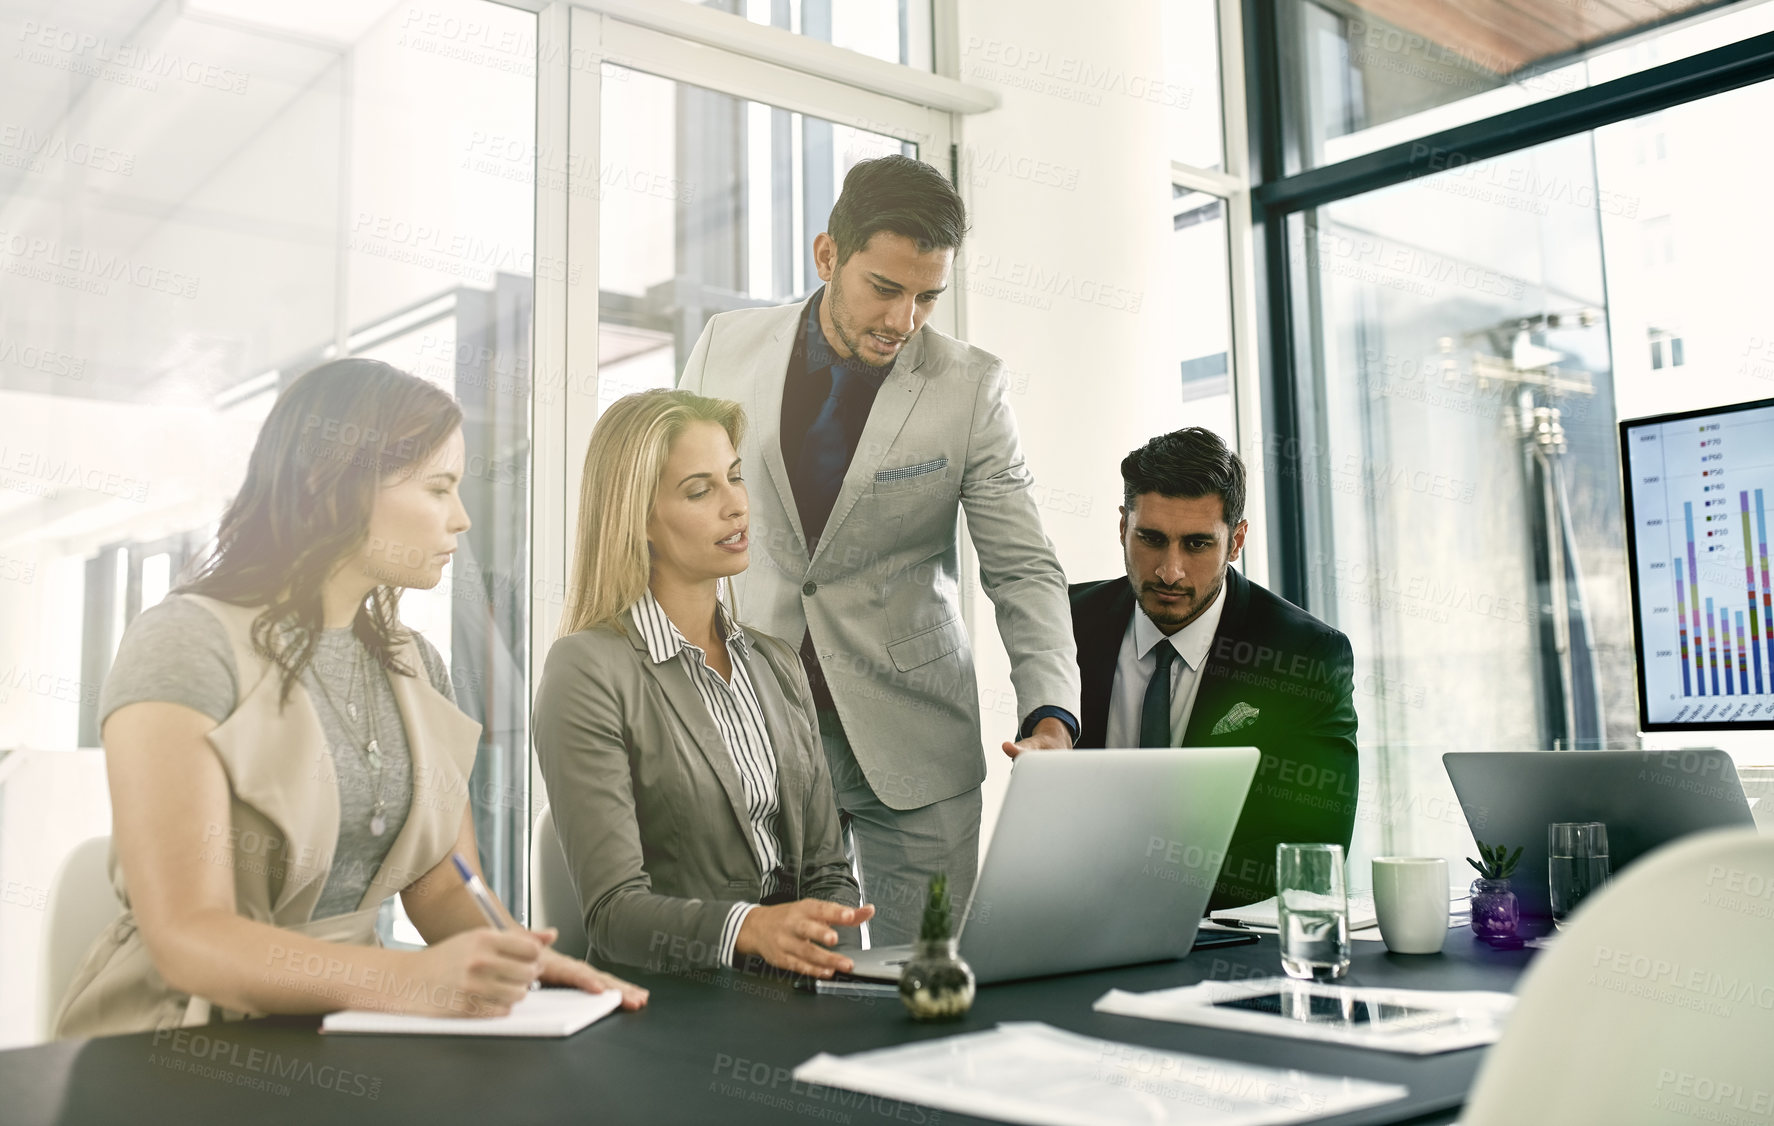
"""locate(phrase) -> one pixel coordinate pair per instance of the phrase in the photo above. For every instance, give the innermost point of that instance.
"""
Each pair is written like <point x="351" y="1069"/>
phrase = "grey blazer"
<point x="648" y="803"/>
<point x="881" y="595"/>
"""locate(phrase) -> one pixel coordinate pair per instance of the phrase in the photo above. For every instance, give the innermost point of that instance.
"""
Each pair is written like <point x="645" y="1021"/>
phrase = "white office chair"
<point x="81" y="904"/>
<point x="1656" y="1006"/>
<point x="554" y="901"/>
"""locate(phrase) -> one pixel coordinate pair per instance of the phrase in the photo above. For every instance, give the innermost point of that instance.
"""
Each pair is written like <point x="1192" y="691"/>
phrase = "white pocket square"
<point x="1241" y="715"/>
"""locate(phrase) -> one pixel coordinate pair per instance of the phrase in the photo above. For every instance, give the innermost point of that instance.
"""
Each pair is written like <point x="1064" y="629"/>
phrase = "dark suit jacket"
<point x="1272" y="656"/>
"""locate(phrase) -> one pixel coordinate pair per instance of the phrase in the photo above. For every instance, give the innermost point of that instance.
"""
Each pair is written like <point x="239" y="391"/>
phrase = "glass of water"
<point x="1312" y="905"/>
<point x="1576" y="865"/>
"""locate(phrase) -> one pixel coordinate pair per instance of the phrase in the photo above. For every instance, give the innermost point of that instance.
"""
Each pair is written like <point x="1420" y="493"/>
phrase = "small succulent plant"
<point x="937" y="925"/>
<point x="937" y="984"/>
<point x="1498" y="862"/>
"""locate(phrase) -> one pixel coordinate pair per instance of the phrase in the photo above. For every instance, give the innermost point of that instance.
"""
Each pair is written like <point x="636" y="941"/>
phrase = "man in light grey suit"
<point x="868" y="434"/>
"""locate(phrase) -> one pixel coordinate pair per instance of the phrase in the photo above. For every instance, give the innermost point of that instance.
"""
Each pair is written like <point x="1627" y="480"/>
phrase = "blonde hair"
<point x="629" y="448"/>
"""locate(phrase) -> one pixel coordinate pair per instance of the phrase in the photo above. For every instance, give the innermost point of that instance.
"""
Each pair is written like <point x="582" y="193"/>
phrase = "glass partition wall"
<point x="1456" y="322"/>
<point x="198" y="203"/>
<point x="731" y="227"/>
<point x="1462" y="475"/>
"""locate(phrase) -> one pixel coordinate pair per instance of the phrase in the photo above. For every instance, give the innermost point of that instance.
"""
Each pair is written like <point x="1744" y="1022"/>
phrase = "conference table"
<point x="709" y="1048"/>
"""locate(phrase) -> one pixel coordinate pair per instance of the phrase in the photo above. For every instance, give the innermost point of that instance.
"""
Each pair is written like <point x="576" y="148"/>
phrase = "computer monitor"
<point x="1699" y="488"/>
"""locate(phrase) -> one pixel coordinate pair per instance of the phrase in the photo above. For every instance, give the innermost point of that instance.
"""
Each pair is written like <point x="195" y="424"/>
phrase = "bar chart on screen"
<point x="1700" y="489"/>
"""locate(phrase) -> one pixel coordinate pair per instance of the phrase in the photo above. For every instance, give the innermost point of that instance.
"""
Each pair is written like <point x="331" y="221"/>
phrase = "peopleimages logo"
<point x="30" y="149"/>
<point x="1069" y="77"/>
<point x="46" y="361"/>
<point x="215" y="1057"/>
<point x="40" y="472"/>
<point x="453" y="252"/>
<point x="85" y="53"/>
<point x="95" y="266"/>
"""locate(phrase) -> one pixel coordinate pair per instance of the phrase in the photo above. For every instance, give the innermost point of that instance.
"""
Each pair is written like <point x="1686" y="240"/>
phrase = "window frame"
<point x="1286" y="406"/>
<point x="1232" y="185"/>
<point x="718" y="51"/>
<point x="731" y="56"/>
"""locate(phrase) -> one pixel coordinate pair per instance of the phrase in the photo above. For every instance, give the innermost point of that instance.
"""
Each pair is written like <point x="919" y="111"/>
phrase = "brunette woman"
<point x="284" y="755"/>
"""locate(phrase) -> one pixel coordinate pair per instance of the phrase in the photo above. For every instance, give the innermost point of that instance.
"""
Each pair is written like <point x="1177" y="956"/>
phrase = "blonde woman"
<point x="263" y="730"/>
<point x="684" y="769"/>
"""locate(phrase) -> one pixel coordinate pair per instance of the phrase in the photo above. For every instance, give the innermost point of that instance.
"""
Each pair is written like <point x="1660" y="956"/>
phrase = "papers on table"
<point x="1263" y="913"/>
<point x="1028" y="1072"/>
<point x="545" y="1012"/>
<point x="1364" y="922"/>
<point x="1413" y="1021"/>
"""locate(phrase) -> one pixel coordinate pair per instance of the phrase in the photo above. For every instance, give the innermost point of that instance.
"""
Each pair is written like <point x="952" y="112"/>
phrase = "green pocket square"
<point x="1241" y="715"/>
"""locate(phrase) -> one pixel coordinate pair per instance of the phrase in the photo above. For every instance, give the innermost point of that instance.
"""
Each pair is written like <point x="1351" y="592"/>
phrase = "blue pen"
<point x="482" y="899"/>
<point x="478" y="892"/>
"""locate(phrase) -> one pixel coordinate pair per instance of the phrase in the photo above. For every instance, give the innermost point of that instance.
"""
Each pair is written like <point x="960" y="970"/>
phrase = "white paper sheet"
<point x="1411" y="1021"/>
<point x="545" y="1013"/>
<point x="1263" y="913"/>
<point x="1364" y="919"/>
<point x="1027" y="1072"/>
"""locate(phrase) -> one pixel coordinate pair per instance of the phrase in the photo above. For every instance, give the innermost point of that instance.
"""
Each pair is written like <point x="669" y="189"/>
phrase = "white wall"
<point x="1066" y="272"/>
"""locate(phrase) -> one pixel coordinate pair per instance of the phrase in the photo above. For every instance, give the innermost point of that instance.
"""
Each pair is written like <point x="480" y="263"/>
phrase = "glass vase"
<point x="936" y="984"/>
<point x="1495" y="913"/>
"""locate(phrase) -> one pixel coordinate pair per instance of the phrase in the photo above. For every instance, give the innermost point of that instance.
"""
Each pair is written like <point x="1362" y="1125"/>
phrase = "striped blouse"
<point x="734" y="708"/>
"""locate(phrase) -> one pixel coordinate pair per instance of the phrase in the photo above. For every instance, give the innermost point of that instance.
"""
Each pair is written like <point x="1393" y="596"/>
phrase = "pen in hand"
<point x="483" y="899"/>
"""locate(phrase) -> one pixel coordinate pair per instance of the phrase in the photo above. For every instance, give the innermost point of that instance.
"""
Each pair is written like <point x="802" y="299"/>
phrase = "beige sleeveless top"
<point x="284" y="828"/>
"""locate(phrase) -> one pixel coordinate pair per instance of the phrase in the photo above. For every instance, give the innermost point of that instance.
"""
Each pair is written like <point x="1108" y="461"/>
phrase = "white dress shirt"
<point x="733" y="705"/>
<point x="1138" y="660"/>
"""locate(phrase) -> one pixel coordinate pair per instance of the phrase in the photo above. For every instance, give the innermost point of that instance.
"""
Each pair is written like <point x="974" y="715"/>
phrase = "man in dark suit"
<point x="1243" y="667"/>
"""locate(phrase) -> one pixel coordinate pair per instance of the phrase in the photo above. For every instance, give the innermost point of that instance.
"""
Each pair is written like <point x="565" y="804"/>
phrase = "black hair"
<point x="1191" y="462"/>
<point x="901" y="195"/>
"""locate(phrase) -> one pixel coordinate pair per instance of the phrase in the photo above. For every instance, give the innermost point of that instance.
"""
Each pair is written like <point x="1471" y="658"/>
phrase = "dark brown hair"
<point x="900" y="195"/>
<point x="331" y="440"/>
<point x="1188" y="463"/>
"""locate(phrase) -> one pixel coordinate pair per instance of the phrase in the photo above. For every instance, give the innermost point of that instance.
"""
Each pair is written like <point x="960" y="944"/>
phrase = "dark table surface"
<point x="713" y="1049"/>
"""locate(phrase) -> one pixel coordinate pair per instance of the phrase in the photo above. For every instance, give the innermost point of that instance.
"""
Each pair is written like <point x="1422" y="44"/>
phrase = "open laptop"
<point x="1100" y="858"/>
<point x="1646" y="799"/>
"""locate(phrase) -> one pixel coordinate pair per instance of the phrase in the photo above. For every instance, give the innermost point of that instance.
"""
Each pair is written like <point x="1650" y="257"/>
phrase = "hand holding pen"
<point x="554" y="967"/>
<point x="483" y="899"/>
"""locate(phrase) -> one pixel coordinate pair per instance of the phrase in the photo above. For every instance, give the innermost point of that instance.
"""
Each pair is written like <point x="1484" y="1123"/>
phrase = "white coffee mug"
<point x="1411" y="901"/>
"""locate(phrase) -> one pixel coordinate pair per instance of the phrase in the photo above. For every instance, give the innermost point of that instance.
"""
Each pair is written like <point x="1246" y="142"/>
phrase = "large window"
<point x="1462" y="473"/>
<point x="196" y="206"/>
<point x="894" y="31"/>
<point x="1203" y="323"/>
<point x="1209" y="254"/>
<point x="1454" y="351"/>
<point x="1191" y="96"/>
<point x="1364" y="74"/>
<point x="715" y="203"/>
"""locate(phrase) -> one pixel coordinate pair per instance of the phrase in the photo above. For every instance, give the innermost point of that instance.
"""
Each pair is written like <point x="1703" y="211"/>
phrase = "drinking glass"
<point x="1312" y="908"/>
<point x="1576" y="864"/>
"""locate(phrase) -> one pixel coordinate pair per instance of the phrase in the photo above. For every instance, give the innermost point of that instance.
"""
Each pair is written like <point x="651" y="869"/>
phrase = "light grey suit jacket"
<point x="648" y="803"/>
<point x="881" y="594"/>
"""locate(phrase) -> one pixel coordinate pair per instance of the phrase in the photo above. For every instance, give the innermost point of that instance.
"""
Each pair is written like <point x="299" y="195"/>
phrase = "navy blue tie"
<point x="826" y="453"/>
<point x="1155" y="711"/>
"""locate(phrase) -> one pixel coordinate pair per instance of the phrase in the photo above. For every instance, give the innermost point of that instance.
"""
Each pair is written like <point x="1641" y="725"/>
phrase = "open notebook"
<point x="546" y="1012"/>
